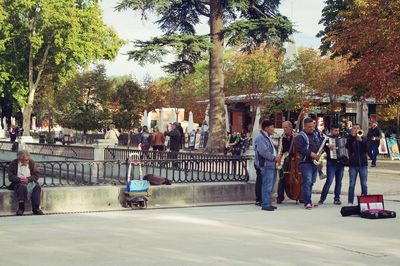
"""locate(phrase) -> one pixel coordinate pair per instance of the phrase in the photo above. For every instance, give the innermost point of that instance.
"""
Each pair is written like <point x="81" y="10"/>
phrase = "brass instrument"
<point x="321" y="152"/>
<point x="360" y="133"/>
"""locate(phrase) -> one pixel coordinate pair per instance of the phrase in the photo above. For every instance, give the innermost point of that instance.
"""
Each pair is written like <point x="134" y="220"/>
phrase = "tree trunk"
<point x="217" y="126"/>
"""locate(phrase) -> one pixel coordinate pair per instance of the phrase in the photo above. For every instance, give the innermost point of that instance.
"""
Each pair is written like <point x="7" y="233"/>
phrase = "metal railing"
<point x="85" y="173"/>
<point x="74" y="152"/>
<point x="8" y="146"/>
<point x="123" y="154"/>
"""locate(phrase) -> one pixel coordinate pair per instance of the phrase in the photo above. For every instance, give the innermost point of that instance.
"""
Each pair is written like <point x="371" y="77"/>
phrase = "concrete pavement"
<point x="224" y="235"/>
<point x="221" y="235"/>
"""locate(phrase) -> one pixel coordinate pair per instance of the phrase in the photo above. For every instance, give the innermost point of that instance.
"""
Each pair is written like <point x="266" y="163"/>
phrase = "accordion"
<point x="340" y="152"/>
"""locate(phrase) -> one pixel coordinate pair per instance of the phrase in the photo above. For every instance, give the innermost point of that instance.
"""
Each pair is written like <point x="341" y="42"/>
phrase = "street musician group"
<point x="297" y="161"/>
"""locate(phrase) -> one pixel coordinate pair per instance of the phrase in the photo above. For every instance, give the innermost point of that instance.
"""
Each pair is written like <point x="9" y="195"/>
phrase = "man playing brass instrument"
<point x="358" y="161"/>
<point x="334" y="169"/>
<point x="286" y="139"/>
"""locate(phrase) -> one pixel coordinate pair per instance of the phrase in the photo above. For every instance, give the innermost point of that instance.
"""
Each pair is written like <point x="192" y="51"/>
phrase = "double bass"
<point x="291" y="171"/>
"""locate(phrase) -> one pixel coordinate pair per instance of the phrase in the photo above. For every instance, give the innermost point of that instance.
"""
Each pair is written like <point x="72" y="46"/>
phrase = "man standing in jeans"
<point x="307" y="144"/>
<point x="265" y="159"/>
<point x="358" y="161"/>
<point x="334" y="169"/>
<point x="374" y="136"/>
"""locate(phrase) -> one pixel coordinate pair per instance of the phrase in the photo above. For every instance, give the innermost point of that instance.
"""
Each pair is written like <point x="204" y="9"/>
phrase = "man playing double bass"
<point x="286" y="140"/>
<point x="308" y="144"/>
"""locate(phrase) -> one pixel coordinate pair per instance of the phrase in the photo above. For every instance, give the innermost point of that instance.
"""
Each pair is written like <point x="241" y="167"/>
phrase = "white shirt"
<point x="23" y="171"/>
<point x="270" y="141"/>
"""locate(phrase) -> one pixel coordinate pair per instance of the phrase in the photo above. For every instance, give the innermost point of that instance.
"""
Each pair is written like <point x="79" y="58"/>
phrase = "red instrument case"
<point x="372" y="207"/>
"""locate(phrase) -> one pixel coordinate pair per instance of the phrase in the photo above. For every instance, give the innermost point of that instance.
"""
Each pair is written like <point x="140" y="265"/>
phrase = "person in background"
<point x="174" y="142"/>
<point x="13" y="133"/>
<point x="112" y="134"/>
<point x="358" y="161"/>
<point x="374" y="139"/>
<point x="158" y="140"/>
<point x="23" y="175"/>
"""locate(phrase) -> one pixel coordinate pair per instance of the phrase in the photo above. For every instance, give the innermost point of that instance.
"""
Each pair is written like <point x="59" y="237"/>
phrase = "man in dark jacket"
<point x="174" y="142"/>
<point x="23" y="175"/>
<point x="307" y="144"/>
<point x="358" y="161"/>
<point x="374" y="136"/>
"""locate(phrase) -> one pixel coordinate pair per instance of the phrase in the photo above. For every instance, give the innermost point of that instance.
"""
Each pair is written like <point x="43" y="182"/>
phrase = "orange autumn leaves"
<point x="368" y="35"/>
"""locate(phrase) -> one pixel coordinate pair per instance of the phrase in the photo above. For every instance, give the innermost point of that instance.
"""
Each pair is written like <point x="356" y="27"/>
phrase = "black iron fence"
<point x="74" y="152"/>
<point x="8" y="146"/>
<point x="123" y="154"/>
<point x="85" y="173"/>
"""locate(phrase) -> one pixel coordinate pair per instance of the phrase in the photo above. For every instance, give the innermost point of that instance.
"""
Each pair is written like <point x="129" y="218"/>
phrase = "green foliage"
<point x="329" y="19"/>
<point x="130" y="99"/>
<point x="248" y="23"/>
<point x="82" y="102"/>
<point x="50" y="38"/>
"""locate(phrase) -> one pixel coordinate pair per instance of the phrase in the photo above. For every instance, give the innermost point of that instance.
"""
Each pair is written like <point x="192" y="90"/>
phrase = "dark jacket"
<point x="306" y="146"/>
<point x="286" y="140"/>
<point x="174" y="139"/>
<point x="13" y="170"/>
<point x="358" y="151"/>
<point x="374" y="132"/>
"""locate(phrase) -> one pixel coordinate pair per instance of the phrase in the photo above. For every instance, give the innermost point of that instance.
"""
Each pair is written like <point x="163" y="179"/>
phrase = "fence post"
<point x="250" y="165"/>
<point x="98" y="155"/>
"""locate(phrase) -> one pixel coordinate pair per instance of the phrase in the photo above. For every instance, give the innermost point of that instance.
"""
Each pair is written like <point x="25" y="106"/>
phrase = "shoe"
<point x="373" y="165"/>
<point x="314" y="205"/>
<point x="274" y="207"/>
<point x="322" y="177"/>
<point x="279" y="201"/>
<point x="257" y="203"/>
<point x="320" y="202"/>
<point x="337" y="202"/>
<point x="38" y="212"/>
<point x="308" y="206"/>
<point x="20" y="212"/>
<point x="270" y="208"/>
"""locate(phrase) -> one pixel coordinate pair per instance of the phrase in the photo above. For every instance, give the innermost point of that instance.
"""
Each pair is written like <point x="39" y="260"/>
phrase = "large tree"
<point x="367" y="33"/>
<point x="51" y="38"/>
<point x="253" y="74"/>
<point x="82" y="103"/>
<point x="245" y="22"/>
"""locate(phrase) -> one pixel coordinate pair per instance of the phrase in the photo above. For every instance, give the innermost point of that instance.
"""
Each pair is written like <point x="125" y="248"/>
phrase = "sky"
<point x="304" y="13"/>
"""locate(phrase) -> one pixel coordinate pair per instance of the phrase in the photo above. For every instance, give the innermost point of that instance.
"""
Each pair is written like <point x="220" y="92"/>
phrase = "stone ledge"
<point x="104" y="198"/>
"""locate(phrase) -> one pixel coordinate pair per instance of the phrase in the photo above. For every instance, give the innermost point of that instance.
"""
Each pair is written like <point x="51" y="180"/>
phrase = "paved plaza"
<point x="220" y="235"/>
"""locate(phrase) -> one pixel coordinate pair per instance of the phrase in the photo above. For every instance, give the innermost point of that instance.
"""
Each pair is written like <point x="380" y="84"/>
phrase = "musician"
<point x="286" y="140"/>
<point x="265" y="159"/>
<point x="358" y="161"/>
<point x="334" y="169"/>
<point x="308" y="144"/>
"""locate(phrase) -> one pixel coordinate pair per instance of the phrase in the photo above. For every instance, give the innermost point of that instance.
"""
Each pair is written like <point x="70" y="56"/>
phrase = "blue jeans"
<point x="268" y="181"/>
<point x="353" y="171"/>
<point x="333" y="170"/>
<point x="374" y="151"/>
<point x="309" y="172"/>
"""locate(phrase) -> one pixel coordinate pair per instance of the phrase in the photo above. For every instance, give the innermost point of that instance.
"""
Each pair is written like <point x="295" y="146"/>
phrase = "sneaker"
<point x="257" y="203"/>
<point x="308" y="206"/>
<point x="337" y="202"/>
<point x="270" y="208"/>
<point x="38" y="212"/>
<point x="320" y="202"/>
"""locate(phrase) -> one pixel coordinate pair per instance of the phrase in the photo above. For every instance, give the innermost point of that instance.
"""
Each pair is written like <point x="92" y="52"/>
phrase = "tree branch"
<point x="44" y="59"/>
